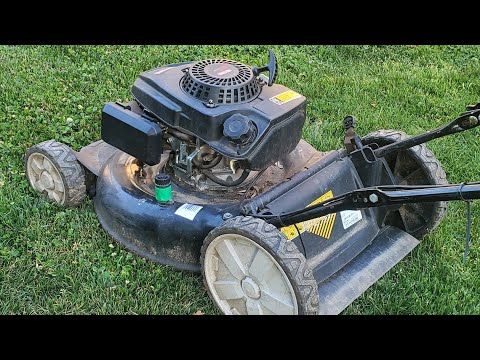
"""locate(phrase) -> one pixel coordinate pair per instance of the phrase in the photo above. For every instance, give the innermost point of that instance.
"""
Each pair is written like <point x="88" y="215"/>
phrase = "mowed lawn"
<point x="59" y="261"/>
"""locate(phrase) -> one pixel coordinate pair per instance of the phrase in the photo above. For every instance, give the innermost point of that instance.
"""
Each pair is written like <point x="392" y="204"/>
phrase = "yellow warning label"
<point x="321" y="226"/>
<point x="285" y="97"/>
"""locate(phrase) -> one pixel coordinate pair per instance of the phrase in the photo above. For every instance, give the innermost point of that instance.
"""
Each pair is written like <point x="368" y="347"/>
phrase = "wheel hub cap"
<point x="45" y="178"/>
<point x="250" y="288"/>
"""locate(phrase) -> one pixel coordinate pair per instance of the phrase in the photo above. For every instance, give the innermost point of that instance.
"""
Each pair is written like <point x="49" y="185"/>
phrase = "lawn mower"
<point x="206" y="170"/>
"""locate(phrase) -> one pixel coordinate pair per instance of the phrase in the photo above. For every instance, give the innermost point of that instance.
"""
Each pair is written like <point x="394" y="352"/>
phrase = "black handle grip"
<point x="272" y="68"/>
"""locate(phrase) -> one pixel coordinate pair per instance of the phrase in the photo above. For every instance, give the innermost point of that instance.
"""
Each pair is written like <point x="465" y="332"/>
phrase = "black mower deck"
<point x="357" y="257"/>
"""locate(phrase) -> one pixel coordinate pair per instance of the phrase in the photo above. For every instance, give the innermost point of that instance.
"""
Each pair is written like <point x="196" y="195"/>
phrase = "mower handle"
<point x="376" y="197"/>
<point x="468" y="120"/>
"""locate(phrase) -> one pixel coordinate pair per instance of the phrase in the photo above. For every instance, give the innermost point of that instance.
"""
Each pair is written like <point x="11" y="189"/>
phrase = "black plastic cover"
<point x="131" y="133"/>
<point x="278" y="121"/>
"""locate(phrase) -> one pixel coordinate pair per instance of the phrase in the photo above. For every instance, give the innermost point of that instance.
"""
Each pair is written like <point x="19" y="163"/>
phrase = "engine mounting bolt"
<point x="227" y="216"/>
<point x="373" y="198"/>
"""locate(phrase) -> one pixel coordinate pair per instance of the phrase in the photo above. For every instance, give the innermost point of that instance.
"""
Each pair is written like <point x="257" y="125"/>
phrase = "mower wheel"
<point x="52" y="169"/>
<point x="414" y="166"/>
<point x="250" y="268"/>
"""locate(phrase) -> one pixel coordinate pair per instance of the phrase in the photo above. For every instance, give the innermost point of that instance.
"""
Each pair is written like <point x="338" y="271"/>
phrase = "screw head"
<point x="227" y="216"/>
<point x="373" y="198"/>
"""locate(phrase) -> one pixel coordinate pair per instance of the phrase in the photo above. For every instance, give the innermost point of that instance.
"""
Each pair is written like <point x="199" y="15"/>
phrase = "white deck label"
<point x="188" y="211"/>
<point x="350" y="217"/>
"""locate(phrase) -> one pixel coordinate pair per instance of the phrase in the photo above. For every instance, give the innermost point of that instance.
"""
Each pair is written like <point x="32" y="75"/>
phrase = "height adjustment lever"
<point x="351" y="141"/>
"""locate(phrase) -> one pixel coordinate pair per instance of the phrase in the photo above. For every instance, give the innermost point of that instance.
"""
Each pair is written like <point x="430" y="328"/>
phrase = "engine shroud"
<point x="198" y="97"/>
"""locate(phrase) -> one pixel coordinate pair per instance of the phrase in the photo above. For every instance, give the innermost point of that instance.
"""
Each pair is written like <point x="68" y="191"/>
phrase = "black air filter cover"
<point x="219" y="81"/>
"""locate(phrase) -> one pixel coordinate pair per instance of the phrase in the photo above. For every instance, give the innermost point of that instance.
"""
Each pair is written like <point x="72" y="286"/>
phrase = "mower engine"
<point x="220" y="122"/>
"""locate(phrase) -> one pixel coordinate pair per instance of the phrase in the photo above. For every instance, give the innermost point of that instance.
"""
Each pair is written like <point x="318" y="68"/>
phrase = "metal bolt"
<point x="473" y="120"/>
<point x="227" y="216"/>
<point x="373" y="198"/>
<point x="470" y="121"/>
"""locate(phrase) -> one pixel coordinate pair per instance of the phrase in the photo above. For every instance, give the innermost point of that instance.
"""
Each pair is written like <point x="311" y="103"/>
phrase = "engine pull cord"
<point x="469" y="222"/>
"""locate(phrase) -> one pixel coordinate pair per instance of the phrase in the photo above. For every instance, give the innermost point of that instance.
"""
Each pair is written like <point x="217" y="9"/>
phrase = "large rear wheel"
<point x="250" y="268"/>
<point x="414" y="166"/>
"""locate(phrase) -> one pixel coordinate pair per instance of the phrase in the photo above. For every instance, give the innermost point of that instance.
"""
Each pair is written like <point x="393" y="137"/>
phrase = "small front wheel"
<point x="52" y="169"/>
<point x="250" y="268"/>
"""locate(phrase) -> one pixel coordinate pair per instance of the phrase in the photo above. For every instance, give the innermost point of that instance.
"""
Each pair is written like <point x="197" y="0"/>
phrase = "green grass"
<point x="59" y="261"/>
